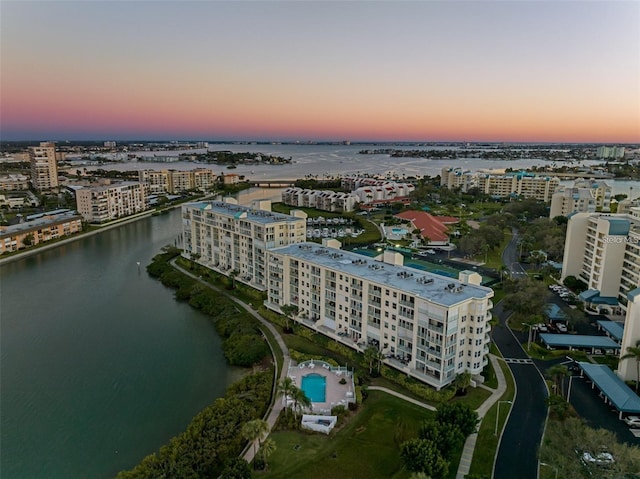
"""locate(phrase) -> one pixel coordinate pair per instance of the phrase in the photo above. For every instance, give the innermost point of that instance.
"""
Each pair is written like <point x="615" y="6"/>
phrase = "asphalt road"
<point x="518" y="451"/>
<point x="510" y="257"/>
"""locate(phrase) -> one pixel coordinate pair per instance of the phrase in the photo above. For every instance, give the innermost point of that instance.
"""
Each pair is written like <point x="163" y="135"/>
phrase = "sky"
<point x="512" y="71"/>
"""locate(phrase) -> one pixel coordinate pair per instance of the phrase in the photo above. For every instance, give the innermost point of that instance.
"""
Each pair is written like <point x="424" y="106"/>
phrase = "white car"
<point x="600" y="459"/>
<point x="632" y="421"/>
<point x="562" y="328"/>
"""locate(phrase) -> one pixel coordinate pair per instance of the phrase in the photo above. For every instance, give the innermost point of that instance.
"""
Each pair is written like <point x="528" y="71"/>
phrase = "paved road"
<point x="517" y="455"/>
<point x="510" y="257"/>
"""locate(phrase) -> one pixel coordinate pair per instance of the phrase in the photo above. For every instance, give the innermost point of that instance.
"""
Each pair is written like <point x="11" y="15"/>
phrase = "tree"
<point x="232" y="276"/>
<point x="448" y="437"/>
<point x="254" y="430"/>
<point x="462" y="381"/>
<point x="286" y="387"/>
<point x="267" y="449"/>
<point x="237" y="468"/>
<point x="28" y="240"/>
<point x="460" y="415"/>
<point x="370" y="356"/>
<point x="300" y="400"/>
<point x="422" y="455"/>
<point x="290" y="311"/>
<point x="634" y="353"/>
<point x="558" y="373"/>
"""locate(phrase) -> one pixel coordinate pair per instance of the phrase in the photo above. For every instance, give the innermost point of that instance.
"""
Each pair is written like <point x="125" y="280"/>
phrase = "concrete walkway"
<point x="470" y="443"/>
<point x="401" y="396"/>
<point x="278" y="405"/>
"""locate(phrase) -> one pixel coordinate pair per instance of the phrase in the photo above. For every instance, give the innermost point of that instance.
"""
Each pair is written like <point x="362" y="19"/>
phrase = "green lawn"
<point x="366" y="447"/>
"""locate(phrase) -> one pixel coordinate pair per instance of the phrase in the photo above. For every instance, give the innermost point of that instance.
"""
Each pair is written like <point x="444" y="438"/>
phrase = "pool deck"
<point x="336" y="394"/>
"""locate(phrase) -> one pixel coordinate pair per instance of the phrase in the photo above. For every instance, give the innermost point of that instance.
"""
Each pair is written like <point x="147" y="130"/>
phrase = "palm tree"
<point x="300" y="400"/>
<point x="462" y="381"/>
<point x="634" y="353"/>
<point x="290" y="311"/>
<point x="268" y="448"/>
<point x="379" y="359"/>
<point x="558" y="373"/>
<point x="286" y="387"/>
<point x="253" y="430"/>
<point x="370" y="355"/>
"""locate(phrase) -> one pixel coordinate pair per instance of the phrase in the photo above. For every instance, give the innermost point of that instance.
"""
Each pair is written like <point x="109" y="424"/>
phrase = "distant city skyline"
<point x="556" y="72"/>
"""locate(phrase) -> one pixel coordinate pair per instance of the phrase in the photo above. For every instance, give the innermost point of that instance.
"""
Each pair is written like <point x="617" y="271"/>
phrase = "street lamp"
<point x="549" y="465"/>
<point x="498" y="415"/>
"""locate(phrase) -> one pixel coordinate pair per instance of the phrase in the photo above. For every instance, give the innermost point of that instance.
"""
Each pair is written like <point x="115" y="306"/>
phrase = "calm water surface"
<point x="100" y="365"/>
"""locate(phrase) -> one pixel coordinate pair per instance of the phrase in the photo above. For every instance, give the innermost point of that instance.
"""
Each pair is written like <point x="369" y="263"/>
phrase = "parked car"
<point x="600" y="459"/>
<point x="562" y="328"/>
<point x="632" y="421"/>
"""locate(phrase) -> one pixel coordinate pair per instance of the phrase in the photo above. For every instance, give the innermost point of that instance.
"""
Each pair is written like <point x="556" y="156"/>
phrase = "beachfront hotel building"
<point x="44" y="167"/>
<point x="229" y="238"/>
<point x="603" y="250"/>
<point x="517" y="184"/>
<point x="98" y="204"/>
<point x="177" y="181"/>
<point x="429" y="326"/>
<point x="39" y="228"/>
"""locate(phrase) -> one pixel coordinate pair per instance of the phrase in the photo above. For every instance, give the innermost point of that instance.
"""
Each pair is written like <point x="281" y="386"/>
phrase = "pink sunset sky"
<point x="403" y="71"/>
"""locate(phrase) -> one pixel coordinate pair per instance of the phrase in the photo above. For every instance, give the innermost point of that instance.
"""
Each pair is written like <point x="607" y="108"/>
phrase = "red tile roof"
<point x="432" y="227"/>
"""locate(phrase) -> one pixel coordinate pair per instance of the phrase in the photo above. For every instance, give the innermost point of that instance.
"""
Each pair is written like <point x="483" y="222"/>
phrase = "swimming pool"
<point x="315" y="386"/>
<point x="399" y="231"/>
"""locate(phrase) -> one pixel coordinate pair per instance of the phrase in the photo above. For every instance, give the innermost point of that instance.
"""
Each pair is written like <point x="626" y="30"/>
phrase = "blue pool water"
<point x="314" y="386"/>
<point x="399" y="231"/>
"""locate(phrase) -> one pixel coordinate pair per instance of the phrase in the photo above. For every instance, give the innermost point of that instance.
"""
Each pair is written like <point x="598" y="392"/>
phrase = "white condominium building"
<point x="44" y="167"/>
<point x="586" y="196"/>
<point x="230" y="238"/>
<point x="627" y="369"/>
<point x="14" y="182"/>
<point x="176" y="181"/>
<point x="105" y="203"/>
<point x="457" y="178"/>
<point x="519" y="184"/>
<point x="320" y="199"/>
<point x="603" y="250"/>
<point x="610" y="152"/>
<point x="428" y="326"/>
<point x="566" y="201"/>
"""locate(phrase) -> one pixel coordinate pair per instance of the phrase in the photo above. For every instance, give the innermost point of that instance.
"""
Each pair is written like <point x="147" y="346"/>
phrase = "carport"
<point x="615" y="391"/>
<point x="614" y="329"/>
<point x="578" y="341"/>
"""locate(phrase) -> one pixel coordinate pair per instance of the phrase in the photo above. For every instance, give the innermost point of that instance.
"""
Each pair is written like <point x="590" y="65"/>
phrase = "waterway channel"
<point x="100" y="366"/>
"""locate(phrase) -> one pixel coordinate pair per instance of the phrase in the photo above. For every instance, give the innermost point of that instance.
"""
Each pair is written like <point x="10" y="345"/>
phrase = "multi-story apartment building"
<point x="601" y="192"/>
<point x="603" y="250"/>
<point x="610" y="152"/>
<point x="44" y="167"/>
<point x="104" y="203"/>
<point x="231" y="238"/>
<point x="627" y="369"/>
<point x="457" y="178"/>
<point x="518" y="184"/>
<point x="39" y="229"/>
<point x="176" y="181"/>
<point x="321" y="199"/>
<point x="566" y="201"/>
<point x="428" y="326"/>
<point x="14" y="182"/>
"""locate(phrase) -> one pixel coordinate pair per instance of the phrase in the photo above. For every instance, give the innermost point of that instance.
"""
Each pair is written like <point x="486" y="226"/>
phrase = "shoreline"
<point x="76" y="237"/>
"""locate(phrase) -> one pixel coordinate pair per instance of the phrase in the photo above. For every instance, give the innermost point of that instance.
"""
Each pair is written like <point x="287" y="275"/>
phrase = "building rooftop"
<point x="614" y="328"/>
<point x="39" y="222"/>
<point x="242" y="212"/>
<point x="622" y="397"/>
<point x="578" y="341"/>
<point x="430" y="286"/>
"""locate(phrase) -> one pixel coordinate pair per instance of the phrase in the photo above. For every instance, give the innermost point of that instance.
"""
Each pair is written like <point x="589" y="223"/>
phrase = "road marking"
<point x="635" y="432"/>
<point x="517" y="361"/>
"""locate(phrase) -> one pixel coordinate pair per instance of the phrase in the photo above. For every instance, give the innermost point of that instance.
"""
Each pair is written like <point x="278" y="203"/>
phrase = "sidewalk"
<point x="470" y="443"/>
<point x="278" y="405"/>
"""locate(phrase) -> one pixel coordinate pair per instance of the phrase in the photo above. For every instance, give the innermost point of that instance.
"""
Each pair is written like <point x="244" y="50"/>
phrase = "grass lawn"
<point x="487" y="443"/>
<point x="366" y="447"/>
